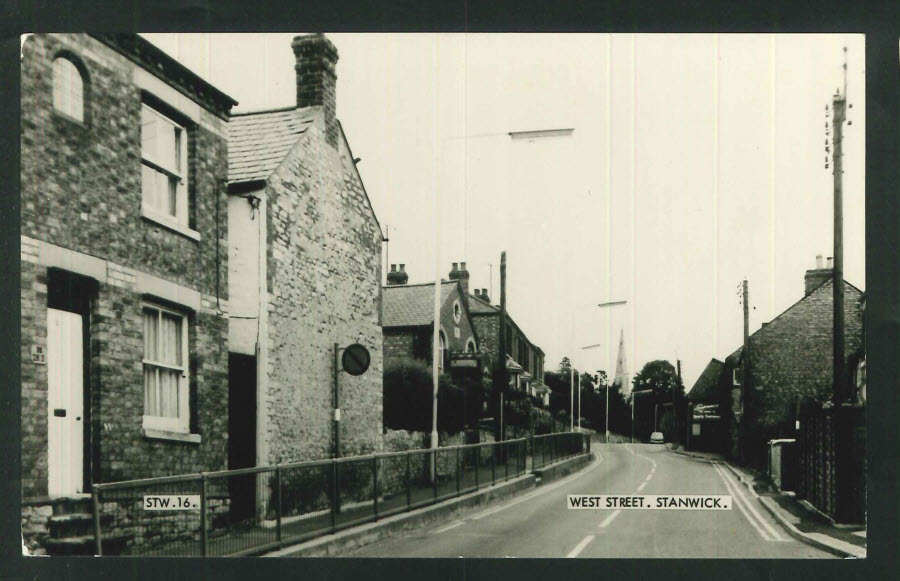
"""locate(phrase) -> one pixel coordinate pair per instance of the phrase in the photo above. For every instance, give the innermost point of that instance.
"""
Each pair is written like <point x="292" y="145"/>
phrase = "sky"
<point x="696" y="161"/>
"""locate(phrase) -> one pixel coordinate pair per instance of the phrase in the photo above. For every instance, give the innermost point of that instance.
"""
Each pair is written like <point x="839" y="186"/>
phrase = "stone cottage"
<point x="124" y="282"/>
<point x="304" y="274"/>
<point x="790" y="364"/>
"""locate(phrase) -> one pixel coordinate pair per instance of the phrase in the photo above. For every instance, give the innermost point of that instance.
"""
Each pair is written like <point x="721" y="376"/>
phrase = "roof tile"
<point x="257" y="142"/>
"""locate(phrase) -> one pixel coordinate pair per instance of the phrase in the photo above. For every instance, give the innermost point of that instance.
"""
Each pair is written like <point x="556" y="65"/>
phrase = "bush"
<point x="303" y="490"/>
<point x="408" y="399"/>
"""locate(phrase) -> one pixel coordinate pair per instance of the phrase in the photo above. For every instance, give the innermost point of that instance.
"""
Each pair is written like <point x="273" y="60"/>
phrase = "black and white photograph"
<point x="418" y="295"/>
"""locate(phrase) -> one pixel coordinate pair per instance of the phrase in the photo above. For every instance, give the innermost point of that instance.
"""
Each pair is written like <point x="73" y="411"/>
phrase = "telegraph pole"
<point x="500" y="373"/>
<point x="839" y="104"/>
<point x="745" y="370"/>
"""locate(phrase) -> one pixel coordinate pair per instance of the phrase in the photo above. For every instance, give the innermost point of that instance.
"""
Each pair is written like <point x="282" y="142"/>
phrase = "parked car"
<point x="656" y="438"/>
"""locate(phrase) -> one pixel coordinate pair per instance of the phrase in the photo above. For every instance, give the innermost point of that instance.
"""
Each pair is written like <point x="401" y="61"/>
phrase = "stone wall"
<point x="81" y="192"/>
<point x="323" y="274"/>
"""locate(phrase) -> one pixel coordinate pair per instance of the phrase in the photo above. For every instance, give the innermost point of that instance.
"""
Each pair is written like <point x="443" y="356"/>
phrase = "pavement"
<point x="538" y="523"/>
<point x="799" y="519"/>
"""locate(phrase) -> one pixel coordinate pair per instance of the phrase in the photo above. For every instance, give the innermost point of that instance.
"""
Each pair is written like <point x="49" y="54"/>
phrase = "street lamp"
<point x="603" y="305"/>
<point x="530" y="136"/>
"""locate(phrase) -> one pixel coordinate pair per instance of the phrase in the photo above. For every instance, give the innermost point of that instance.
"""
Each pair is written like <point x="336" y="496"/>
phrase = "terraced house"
<point x="124" y="283"/>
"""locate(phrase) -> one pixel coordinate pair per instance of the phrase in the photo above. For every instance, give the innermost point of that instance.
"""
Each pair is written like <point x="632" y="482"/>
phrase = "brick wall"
<point x="488" y="331"/>
<point x="399" y="344"/>
<point x="324" y="275"/>
<point x="81" y="183"/>
<point x="81" y="190"/>
<point x="487" y="328"/>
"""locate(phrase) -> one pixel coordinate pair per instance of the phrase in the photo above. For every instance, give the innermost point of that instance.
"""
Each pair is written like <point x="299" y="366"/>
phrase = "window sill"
<point x="155" y="434"/>
<point x="166" y="222"/>
<point x="69" y="119"/>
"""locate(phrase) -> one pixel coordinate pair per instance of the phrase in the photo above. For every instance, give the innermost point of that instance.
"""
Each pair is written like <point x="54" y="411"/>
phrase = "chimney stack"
<point x="460" y="273"/>
<point x="316" y="58"/>
<point x="395" y="277"/>
<point x="816" y="277"/>
<point x="484" y="296"/>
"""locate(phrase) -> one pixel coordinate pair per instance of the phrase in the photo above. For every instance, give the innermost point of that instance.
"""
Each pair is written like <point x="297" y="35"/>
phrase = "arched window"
<point x="442" y="351"/>
<point x="68" y="89"/>
<point x="470" y="346"/>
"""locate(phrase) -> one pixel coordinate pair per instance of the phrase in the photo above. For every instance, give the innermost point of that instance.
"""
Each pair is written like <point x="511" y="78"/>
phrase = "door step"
<point x="84" y="545"/>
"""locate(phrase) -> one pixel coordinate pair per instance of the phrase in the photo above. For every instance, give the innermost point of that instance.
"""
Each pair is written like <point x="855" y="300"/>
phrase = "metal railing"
<point x="549" y="448"/>
<point x="252" y="510"/>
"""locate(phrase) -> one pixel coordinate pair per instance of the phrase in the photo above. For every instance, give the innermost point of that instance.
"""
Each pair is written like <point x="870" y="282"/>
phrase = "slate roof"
<point x="704" y="389"/>
<point x="257" y="142"/>
<point x="477" y="306"/>
<point x="412" y="305"/>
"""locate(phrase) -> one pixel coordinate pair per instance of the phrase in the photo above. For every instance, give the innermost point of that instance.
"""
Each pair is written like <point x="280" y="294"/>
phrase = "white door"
<point x="65" y="403"/>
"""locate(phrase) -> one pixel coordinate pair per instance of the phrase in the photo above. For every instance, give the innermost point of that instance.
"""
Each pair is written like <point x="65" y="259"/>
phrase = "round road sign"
<point x="355" y="359"/>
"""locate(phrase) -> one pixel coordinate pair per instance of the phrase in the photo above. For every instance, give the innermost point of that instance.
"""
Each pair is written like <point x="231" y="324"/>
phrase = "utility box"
<point x="782" y="464"/>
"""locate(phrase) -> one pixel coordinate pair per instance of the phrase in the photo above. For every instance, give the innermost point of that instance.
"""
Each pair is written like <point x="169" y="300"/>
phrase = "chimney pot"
<point x="402" y="267"/>
<point x="462" y="265"/>
<point x="397" y="277"/>
<point x="829" y="262"/>
<point x="455" y="265"/>
<point x="478" y="292"/>
<point x="819" y="261"/>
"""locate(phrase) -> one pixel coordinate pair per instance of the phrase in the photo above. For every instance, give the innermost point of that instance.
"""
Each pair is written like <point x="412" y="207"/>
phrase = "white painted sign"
<point x="648" y="501"/>
<point x="171" y="502"/>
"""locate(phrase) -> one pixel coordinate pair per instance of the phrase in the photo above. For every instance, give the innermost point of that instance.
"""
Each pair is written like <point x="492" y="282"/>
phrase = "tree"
<point x="408" y="398"/>
<point x="662" y="387"/>
<point x="565" y="366"/>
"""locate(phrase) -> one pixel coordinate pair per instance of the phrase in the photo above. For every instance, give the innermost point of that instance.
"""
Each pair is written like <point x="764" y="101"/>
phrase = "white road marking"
<point x="752" y="492"/>
<point x="452" y="526"/>
<point x="539" y="491"/>
<point x="641" y="487"/>
<point x="609" y="519"/>
<point x="764" y="522"/>
<point x="580" y="547"/>
<point x="740" y="506"/>
<point x="746" y="508"/>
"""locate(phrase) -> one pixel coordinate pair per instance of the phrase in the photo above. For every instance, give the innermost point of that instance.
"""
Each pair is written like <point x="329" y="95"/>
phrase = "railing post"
<point x="375" y="485"/>
<point x="519" y="457"/>
<point x="493" y="454"/>
<point x="203" y="540"/>
<point x="95" y="494"/>
<point x="335" y="495"/>
<point x="434" y="473"/>
<point x="477" y="463"/>
<point x="408" y="481"/>
<point x="278" y="504"/>
<point x="506" y="461"/>
<point x="457" y="471"/>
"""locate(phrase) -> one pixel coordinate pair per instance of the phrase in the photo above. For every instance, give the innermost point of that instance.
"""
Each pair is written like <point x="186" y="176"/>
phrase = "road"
<point x="537" y="523"/>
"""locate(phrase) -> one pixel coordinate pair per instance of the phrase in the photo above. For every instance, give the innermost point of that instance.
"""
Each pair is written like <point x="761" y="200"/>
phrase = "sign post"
<point x="355" y="361"/>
